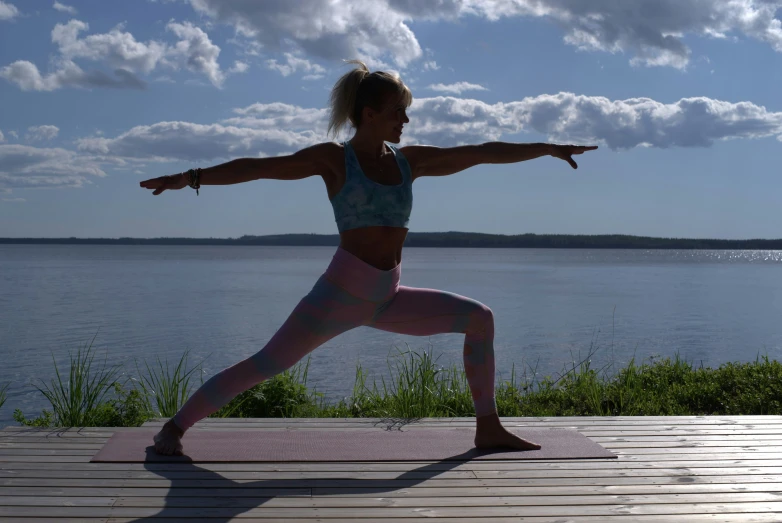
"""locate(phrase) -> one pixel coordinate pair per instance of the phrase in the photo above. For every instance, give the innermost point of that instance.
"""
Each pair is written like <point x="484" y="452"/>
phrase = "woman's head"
<point x="378" y="99"/>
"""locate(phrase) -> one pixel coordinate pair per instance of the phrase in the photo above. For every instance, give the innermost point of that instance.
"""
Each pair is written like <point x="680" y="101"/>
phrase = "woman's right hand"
<point x="172" y="181"/>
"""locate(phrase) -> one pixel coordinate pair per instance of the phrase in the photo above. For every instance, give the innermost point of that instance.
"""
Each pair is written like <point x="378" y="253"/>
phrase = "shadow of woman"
<point x="229" y="498"/>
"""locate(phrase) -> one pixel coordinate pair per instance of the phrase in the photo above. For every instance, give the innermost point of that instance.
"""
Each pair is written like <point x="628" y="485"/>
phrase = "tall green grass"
<point x="416" y="387"/>
<point x="3" y="395"/>
<point x="164" y="390"/>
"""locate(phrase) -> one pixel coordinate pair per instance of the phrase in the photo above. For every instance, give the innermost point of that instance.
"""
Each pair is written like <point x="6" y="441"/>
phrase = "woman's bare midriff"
<point x="380" y="247"/>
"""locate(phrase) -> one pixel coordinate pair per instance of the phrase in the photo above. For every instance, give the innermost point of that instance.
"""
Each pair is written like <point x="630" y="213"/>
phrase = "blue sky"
<point x="682" y="98"/>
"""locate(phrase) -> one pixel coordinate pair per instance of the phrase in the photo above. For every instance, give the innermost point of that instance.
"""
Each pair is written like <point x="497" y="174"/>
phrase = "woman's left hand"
<point x="564" y="152"/>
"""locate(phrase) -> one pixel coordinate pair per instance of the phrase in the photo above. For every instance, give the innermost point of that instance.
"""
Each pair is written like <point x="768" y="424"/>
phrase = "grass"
<point x="3" y="395"/>
<point x="418" y="387"/>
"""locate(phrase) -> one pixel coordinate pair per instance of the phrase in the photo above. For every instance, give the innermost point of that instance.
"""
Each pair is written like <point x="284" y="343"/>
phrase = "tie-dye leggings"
<point x="352" y="293"/>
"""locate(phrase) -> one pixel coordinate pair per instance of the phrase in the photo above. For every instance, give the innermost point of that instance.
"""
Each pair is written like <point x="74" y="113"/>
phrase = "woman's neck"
<point x="368" y="145"/>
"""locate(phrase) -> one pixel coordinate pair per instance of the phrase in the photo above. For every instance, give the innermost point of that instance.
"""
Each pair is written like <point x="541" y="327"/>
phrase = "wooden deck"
<point x="687" y="469"/>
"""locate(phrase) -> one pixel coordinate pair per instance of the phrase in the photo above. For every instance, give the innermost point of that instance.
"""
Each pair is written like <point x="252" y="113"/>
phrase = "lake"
<point x="223" y="303"/>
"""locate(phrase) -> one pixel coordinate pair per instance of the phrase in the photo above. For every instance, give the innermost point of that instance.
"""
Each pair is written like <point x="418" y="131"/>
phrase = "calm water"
<point x="224" y="303"/>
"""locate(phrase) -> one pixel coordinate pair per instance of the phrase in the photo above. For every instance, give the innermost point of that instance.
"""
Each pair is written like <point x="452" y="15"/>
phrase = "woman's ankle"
<point x="171" y="424"/>
<point x="490" y="419"/>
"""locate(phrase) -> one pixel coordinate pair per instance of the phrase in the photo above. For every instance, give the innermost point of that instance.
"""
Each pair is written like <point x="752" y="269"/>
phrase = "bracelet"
<point x="194" y="178"/>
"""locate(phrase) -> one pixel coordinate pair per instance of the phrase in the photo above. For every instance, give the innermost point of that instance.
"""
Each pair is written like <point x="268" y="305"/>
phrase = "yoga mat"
<point x="216" y="446"/>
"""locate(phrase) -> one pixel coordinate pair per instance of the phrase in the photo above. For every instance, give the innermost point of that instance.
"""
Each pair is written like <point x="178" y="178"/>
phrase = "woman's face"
<point x="388" y="123"/>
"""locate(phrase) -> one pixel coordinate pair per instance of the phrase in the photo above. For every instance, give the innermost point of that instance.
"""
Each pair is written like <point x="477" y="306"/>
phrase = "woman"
<point x="369" y="184"/>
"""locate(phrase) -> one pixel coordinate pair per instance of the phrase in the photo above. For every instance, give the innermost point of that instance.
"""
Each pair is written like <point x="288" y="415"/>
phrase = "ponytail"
<point x="359" y="88"/>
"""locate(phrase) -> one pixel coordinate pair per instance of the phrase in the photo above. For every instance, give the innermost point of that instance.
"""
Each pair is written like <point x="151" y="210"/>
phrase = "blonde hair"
<point x="359" y="88"/>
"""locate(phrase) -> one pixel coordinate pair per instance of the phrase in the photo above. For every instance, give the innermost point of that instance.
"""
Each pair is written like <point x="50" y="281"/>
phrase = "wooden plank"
<point x="196" y="472"/>
<point x="614" y="442"/>
<point x="329" y="502"/>
<point x="116" y="492"/>
<point x="611" y="432"/>
<point x="694" y="518"/>
<point x="691" y="518"/>
<point x="403" y="466"/>
<point x="672" y="457"/>
<point x="350" y="483"/>
<point x="11" y="442"/>
<point x="770" y="418"/>
<point x="368" y="512"/>
<point x="580" y="425"/>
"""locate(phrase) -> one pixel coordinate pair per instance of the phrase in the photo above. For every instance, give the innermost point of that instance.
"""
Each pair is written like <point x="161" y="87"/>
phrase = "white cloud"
<point x="652" y="31"/>
<point x="119" y="50"/>
<point x="64" y="8"/>
<point x="7" y="11"/>
<point x="2" y="138"/>
<point x="457" y="88"/>
<point x="270" y="129"/>
<point x="169" y="141"/>
<point x="239" y="67"/>
<point x="13" y="133"/>
<point x="431" y="66"/>
<point x="620" y="124"/>
<point x="293" y="64"/>
<point x="280" y="116"/>
<point x="197" y="51"/>
<point x="14" y="200"/>
<point x="26" y="75"/>
<point x="363" y="29"/>
<point x="22" y="166"/>
<point x="42" y="132"/>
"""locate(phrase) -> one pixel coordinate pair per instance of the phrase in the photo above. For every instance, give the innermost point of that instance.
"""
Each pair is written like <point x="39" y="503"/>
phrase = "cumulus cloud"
<point x="279" y="116"/>
<point x="197" y="51"/>
<point x="42" y="132"/>
<point x="26" y="75"/>
<point x="620" y="124"/>
<point x="331" y="30"/>
<point x="457" y="88"/>
<point x="7" y="11"/>
<point x="22" y="166"/>
<point x="169" y="141"/>
<point x="652" y="31"/>
<point x="293" y="64"/>
<point x="119" y="50"/>
<point x="239" y="67"/>
<point x="64" y="8"/>
<point x="270" y="129"/>
<point x="2" y="138"/>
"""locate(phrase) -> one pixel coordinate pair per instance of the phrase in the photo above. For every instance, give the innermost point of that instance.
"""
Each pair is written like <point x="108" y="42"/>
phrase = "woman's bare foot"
<point x="490" y="433"/>
<point x="169" y="440"/>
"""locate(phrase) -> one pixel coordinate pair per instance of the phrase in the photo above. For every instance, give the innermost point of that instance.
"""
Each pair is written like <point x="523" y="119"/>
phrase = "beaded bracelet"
<point x="194" y="178"/>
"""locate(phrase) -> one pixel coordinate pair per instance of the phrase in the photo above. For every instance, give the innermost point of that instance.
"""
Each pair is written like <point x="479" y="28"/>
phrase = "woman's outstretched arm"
<point x="307" y="162"/>
<point x="427" y="160"/>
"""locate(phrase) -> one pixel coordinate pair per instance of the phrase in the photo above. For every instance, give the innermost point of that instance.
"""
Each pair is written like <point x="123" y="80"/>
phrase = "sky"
<point x="683" y="99"/>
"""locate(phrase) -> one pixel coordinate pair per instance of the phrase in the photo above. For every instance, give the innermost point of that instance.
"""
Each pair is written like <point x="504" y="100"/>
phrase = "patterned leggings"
<point x="352" y="293"/>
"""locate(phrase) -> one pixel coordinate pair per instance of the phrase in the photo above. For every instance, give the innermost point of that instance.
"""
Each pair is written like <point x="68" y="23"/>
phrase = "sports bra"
<point x="365" y="203"/>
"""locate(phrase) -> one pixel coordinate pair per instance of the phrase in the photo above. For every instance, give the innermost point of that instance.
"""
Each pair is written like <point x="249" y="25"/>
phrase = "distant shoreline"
<point x="439" y="239"/>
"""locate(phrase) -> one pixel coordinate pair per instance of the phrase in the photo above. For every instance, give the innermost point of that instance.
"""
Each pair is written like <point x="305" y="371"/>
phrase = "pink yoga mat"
<point x="345" y="445"/>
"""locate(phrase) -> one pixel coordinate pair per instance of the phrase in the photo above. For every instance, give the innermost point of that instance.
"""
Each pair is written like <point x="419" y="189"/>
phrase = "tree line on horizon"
<point x="440" y="239"/>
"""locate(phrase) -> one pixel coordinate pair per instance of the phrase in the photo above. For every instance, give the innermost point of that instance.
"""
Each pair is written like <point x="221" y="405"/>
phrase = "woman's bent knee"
<point x="481" y="320"/>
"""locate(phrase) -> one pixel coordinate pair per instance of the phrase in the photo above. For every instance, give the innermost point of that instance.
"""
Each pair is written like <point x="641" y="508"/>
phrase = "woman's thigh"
<point x="425" y="312"/>
<point x="325" y="312"/>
